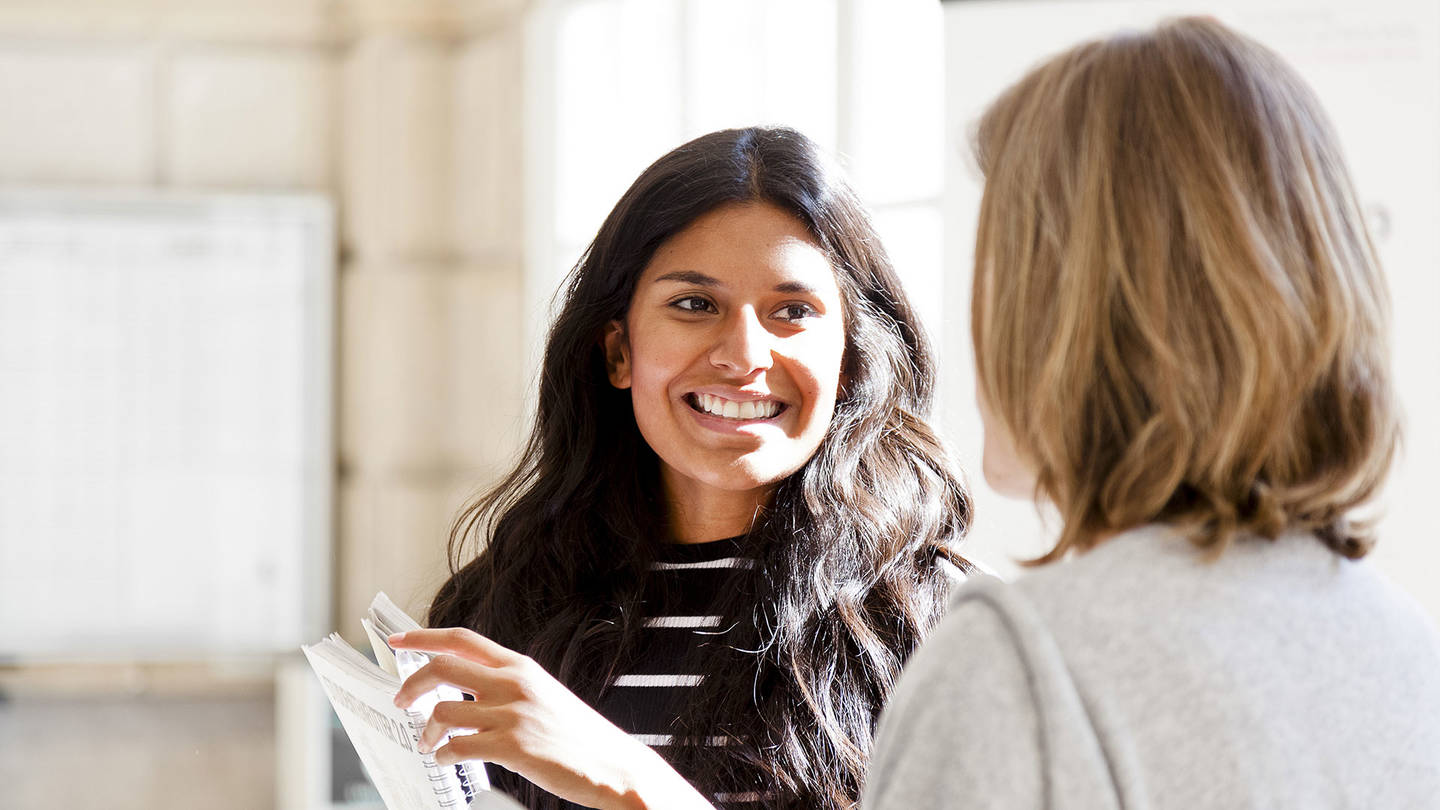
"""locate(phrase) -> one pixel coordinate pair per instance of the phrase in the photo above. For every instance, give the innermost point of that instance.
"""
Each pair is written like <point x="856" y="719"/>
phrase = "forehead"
<point x="746" y="244"/>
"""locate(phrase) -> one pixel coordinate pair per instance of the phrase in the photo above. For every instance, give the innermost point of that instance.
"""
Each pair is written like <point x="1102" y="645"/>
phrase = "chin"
<point x="744" y="482"/>
<point x="1010" y="482"/>
<point x="745" y="477"/>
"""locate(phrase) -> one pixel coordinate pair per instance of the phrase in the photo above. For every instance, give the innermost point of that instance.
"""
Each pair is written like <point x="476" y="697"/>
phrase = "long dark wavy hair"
<point x="849" y="575"/>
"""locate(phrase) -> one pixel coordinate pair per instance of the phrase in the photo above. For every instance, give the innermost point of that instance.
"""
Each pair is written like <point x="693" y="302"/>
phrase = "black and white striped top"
<point x="677" y="623"/>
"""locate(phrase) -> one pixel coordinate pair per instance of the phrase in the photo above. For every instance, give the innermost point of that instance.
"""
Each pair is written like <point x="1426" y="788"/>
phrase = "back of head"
<point x="1177" y="310"/>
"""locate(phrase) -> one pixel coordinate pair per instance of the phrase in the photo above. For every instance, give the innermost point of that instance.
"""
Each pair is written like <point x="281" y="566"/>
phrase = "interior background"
<point x="468" y="151"/>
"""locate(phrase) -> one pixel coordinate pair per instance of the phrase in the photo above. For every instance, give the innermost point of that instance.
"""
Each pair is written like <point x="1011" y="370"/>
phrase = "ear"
<point x="617" y="354"/>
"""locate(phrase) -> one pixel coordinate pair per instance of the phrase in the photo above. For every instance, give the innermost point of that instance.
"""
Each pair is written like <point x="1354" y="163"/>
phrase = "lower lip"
<point x="720" y="424"/>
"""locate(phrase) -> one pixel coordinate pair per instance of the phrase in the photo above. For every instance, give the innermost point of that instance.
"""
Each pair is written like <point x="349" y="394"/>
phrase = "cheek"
<point x="655" y="365"/>
<point x="820" y="361"/>
<point x="1005" y="471"/>
<point x="1000" y="472"/>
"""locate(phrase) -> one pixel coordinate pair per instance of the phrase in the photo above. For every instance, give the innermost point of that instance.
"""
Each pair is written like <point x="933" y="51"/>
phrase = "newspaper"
<point x="387" y="737"/>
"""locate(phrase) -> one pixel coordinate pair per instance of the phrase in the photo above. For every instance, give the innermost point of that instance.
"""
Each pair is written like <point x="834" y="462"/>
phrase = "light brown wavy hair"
<point x="1178" y="313"/>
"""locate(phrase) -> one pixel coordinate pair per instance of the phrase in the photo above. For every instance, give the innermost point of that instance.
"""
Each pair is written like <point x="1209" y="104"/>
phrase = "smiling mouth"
<point x="711" y="405"/>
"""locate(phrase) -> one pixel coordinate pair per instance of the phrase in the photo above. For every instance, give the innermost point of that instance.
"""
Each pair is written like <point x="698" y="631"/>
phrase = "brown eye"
<point x="796" y="312"/>
<point x="693" y="303"/>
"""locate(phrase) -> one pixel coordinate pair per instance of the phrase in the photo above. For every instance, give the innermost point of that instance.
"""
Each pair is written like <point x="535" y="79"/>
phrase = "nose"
<point x="744" y="345"/>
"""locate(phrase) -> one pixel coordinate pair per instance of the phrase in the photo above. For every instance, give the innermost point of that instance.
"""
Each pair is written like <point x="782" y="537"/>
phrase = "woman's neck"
<point x="700" y="514"/>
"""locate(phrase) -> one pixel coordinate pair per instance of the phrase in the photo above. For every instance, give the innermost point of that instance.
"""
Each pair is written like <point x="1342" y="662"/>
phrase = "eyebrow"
<point x="690" y="277"/>
<point x="702" y="280"/>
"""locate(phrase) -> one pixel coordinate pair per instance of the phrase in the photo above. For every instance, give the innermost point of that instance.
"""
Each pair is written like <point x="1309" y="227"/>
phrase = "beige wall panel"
<point x="77" y="114"/>
<point x="487" y="420"/>
<point x="392" y="538"/>
<point x="138" y="752"/>
<point x="250" y="118"/>
<point x="488" y="148"/>
<point x="394" y="375"/>
<point x="396" y="155"/>
<point x="264" y="21"/>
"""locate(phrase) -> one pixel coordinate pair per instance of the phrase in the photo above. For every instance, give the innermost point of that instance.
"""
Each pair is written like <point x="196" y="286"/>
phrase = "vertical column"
<point x="429" y="333"/>
<point x="487" y="329"/>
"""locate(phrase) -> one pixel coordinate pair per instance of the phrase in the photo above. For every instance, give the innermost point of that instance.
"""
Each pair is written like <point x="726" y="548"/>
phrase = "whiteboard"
<point x="1376" y="69"/>
<point x="165" y="423"/>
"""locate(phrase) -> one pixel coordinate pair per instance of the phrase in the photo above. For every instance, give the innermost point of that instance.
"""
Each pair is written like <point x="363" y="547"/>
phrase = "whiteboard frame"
<point x="315" y="215"/>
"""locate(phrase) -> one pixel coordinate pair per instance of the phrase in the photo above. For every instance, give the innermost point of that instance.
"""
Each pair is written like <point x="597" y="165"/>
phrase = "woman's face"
<point x="732" y="350"/>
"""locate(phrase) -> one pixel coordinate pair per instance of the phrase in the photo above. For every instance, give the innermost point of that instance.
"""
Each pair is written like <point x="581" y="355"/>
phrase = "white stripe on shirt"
<point x="657" y="680"/>
<point x="669" y="739"/>
<point x="723" y="562"/>
<point x="741" y="798"/>
<point x="683" y="621"/>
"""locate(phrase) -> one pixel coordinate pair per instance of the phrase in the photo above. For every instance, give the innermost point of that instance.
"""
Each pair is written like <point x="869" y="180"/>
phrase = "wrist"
<point x="651" y="784"/>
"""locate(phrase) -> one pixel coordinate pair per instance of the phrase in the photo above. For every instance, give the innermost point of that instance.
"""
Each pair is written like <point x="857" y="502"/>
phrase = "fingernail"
<point x="396" y="638"/>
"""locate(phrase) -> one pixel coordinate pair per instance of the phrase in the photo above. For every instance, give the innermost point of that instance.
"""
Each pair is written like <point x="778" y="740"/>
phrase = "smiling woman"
<point x="732" y="523"/>
<point x="732" y="371"/>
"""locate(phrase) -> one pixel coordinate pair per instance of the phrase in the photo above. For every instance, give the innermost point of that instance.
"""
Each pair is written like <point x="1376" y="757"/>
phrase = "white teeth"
<point x="752" y="409"/>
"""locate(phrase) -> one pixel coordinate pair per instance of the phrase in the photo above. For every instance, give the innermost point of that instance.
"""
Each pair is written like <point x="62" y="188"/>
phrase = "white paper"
<point x="385" y="737"/>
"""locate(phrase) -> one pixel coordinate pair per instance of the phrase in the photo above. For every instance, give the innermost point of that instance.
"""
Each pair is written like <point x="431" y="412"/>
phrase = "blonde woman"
<point x="1179" y="328"/>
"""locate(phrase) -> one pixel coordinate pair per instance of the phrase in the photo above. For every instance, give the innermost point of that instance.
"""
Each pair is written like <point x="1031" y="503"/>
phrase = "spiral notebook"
<point x="387" y="737"/>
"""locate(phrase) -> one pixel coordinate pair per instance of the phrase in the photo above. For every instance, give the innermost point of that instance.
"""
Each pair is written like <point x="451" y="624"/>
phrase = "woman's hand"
<point x="528" y="722"/>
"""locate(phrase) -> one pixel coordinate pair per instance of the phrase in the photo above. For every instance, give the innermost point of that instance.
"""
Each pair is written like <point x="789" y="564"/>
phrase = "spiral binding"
<point x="444" y="781"/>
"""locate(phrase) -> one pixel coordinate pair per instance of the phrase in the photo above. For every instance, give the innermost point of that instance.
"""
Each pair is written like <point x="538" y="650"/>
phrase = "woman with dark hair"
<point x="732" y="522"/>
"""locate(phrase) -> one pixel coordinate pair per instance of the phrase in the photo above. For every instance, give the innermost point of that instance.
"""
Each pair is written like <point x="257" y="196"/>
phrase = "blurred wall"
<point x="407" y="114"/>
<point x="430" y="200"/>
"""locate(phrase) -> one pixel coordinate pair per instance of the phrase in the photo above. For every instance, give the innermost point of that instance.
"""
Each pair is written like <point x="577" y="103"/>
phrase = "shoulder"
<point x="962" y="724"/>
<point x="982" y="633"/>
<point x="988" y="714"/>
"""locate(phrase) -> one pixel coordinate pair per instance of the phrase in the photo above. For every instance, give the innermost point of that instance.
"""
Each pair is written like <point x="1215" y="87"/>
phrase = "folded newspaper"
<point x="386" y="737"/>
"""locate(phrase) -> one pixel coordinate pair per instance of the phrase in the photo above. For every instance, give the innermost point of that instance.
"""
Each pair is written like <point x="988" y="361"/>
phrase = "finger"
<point x="480" y="745"/>
<point x="465" y="717"/>
<point x="455" y="641"/>
<point x="467" y="676"/>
